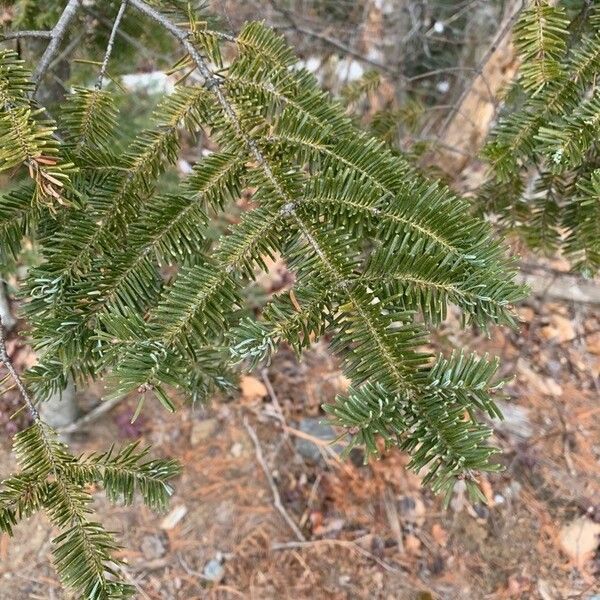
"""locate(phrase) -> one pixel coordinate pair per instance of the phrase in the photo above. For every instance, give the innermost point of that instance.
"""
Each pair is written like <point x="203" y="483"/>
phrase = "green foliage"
<point x="133" y="287"/>
<point x="540" y="38"/>
<point x="53" y="480"/>
<point x="322" y="190"/>
<point x="544" y="152"/>
<point x="26" y="139"/>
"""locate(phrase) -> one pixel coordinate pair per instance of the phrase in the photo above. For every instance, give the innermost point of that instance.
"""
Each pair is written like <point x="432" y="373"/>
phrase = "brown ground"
<point x="371" y="531"/>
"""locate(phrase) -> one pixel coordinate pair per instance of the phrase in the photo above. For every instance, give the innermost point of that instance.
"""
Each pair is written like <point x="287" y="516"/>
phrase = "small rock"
<point x="152" y="547"/>
<point x="236" y="450"/>
<point x="357" y="457"/>
<point x="318" y="429"/>
<point x="481" y="511"/>
<point x="513" y="491"/>
<point x="174" y="517"/>
<point x="202" y="430"/>
<point x="458" y="502"/>
<point x="516" y="421"/>
<point x="213" y="570"/>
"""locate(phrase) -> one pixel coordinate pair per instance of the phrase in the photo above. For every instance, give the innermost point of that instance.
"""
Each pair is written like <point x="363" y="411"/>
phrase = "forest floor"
<point x="361" y="531"/>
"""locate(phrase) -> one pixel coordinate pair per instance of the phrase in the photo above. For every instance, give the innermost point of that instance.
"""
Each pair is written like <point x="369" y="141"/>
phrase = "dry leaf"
<point x="560" y="329"/>
<point x="171" y="520"/>
<point x="579" y="540"/>
<point x="439" y="534"/>
<point x="412" y="544"/>
<point x="252" y="389"/>
<point x="526" y="314"/>
<point x="487" y="490"/>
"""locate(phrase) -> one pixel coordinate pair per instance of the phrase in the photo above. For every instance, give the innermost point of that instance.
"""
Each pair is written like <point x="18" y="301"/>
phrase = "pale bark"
<point x="60" y="410"/>
<point x="6" y="315"/>
<point x="470" y="121"/>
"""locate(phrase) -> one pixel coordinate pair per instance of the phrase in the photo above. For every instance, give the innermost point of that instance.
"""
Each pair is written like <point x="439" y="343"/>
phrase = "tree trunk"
<point x="471" y="119"/>
<point x="8" y="319"/>
<point x="60" y="410"/>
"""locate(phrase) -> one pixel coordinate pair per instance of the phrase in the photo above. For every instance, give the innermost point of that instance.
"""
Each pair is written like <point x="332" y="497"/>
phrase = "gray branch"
<point x="111" y="43"/>
<point x="56" y="36"/>
<point x="35" y="415"/>
<point x="17" y="35"/>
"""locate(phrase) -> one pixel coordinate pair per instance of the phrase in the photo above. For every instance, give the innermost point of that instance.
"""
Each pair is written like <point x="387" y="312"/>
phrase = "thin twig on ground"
<point x="276" y="497"/>
<point x="391" y="511"/>
<point x="506" y="29"/>
<point x="323" y="445"/>
<point x="273" y="396"/>
<point x="345" y="543"/>
<point x="311" y="498"/>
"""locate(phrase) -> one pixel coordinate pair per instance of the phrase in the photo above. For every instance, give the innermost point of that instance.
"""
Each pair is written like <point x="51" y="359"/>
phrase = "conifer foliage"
<point x="379" y="253"/>
<point x="544" y="152"/>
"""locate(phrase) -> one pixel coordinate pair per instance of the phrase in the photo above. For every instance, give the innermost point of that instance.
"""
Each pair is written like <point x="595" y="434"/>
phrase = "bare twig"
<point x="311" y="498"/>
<point x="122" y="568"/>
<point x="56" y="36"/>
<point x="391" y="511"/>
<point x="18" y="35"/>
<point x="340" y="46"/>
<point x="334" y="43"/>
<point x="275" y="401"/>
<point x="92" y="416"/>
<point x="276" y="497"/>
<point x="111" y="43"/>
<point x="324" y="446"/>
<point x="35" y="415"/>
